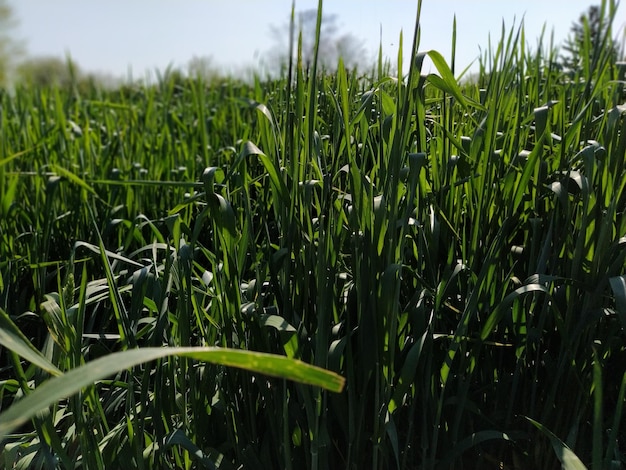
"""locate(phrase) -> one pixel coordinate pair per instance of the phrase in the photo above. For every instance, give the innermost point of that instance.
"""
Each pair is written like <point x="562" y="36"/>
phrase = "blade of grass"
<point x="569" y="460"/>
<point x="12" y="338"/>
<point x="73" y="381"/>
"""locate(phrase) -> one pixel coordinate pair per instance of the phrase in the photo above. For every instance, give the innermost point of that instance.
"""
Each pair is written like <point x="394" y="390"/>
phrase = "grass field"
<point x="321" y="271"/>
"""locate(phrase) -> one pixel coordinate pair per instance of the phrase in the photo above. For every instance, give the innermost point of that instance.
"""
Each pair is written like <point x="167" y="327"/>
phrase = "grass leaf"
<point x="12" y="338"/>
<point x="73" y="381"/>
<point x="569" y="460"/>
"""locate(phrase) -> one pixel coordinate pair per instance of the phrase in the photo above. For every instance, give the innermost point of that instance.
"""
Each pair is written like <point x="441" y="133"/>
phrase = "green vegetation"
<point x="10" y="47"/>
<point x="456" y="253"/>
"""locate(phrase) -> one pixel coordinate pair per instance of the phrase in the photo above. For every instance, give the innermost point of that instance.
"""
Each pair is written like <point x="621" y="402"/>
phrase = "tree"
<point x="9" y="46"/>
<point x="202" y="67"/>
<point x="587" y="36"/>
<point x="48" y="71"/>
<point x="333" y="45"/>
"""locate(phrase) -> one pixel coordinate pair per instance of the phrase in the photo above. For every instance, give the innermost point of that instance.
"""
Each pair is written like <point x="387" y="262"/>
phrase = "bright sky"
<point x="118" y="36"/>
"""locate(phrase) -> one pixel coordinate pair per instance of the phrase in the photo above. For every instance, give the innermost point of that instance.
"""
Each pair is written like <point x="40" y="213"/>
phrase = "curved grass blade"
<point x="73" y="178"/>
<point x="446" y="82"/>
<point x="73" y="381"/>
<point x="13" y="339"/>
<point x="569" y="460"/>
<point x="496" y="315"/>
<point x="274" y="173"/>
<point x="6" y="160"/>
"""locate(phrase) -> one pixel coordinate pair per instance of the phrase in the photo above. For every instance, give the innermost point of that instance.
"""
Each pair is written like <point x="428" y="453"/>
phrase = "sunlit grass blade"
<point x="73" y="381"/>
<point x="446" y="82"/>
<point x="569" y="460"/>
<point x="452" y="245"/>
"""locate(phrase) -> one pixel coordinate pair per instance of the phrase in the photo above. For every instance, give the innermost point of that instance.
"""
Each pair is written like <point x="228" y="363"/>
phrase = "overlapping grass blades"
<point x="73" y="381"/>
<point x="456" y="251"/>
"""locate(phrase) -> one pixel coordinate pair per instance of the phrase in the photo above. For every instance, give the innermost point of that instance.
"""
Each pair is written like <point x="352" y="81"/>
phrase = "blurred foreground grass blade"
<point x="456" y="262"/>
<point x="12" y="338"/>
<point x="72" y="382"/>
<point x="569" y="460"/>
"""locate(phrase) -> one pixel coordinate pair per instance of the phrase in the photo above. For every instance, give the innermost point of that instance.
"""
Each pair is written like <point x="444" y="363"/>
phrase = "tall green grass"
<point x="454" y="250"/>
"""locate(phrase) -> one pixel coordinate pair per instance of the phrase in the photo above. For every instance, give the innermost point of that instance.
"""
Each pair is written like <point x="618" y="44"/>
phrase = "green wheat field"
<point x="324" y="270"/>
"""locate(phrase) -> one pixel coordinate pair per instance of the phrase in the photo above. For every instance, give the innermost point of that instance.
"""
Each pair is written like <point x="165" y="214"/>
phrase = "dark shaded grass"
<point x="455" y="252"/>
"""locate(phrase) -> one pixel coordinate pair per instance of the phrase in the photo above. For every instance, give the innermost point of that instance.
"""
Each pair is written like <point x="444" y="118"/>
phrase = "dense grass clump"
<point x="455" y="252"/>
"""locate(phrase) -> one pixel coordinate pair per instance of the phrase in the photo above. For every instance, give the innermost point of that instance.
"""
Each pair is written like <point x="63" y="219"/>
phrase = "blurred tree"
<point x="48" y="71"/>
<point x="202" y="67"/>
<point x="587" y="36"/>
<point x="333" y="44"/>
<point x="9" y="46"/>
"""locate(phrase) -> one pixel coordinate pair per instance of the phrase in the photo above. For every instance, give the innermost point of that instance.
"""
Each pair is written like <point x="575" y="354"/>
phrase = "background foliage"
<point x="457" y="253"/>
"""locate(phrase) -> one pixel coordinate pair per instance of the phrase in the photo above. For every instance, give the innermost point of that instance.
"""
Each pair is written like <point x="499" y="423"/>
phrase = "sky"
<point x="133" y="38"/>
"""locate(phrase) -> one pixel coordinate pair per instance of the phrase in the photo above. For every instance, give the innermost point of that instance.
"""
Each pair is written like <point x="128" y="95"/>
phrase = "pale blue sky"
<point x="115" y="36"/>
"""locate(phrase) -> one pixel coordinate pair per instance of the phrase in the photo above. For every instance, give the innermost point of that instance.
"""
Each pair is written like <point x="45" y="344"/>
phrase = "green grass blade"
<point x="617" y="419"/>
<point x="73" y="178"/>
<point x="446" y="81"/>
<point x="72" y="382"/>
<point x="618" y="286"/>
<point x="569" y="460"/>
<point x="12" y="338"/>
<point x="596" y="449"/>
<point x="8" y="159"/>
<point x="496" y="315"/>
